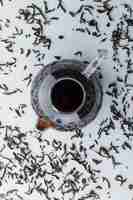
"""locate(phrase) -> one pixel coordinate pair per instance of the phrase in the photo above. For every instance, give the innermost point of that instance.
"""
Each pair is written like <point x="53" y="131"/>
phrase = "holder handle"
<point x="43" y="124"/>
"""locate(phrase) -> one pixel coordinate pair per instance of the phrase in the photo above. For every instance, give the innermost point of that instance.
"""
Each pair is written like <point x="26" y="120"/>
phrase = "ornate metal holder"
<point x="67" y="94"/>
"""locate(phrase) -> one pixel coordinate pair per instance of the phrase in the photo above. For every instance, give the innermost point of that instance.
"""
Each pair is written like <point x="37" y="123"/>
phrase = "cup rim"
<point x="83" y="99"/>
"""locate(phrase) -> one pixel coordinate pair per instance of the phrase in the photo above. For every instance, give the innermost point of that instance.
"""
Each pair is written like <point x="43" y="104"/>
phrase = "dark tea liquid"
<point x="67" y="95"/>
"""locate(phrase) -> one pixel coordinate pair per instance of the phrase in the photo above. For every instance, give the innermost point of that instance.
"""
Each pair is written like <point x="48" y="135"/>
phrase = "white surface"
<point x="73" y="41"/>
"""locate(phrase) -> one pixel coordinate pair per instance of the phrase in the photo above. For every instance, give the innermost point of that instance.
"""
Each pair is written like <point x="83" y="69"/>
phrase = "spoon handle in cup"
<point x="95" y="63"/>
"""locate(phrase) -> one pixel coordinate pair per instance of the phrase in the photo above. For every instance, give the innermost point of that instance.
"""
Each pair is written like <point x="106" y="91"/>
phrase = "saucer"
<point x="48" y="77"/>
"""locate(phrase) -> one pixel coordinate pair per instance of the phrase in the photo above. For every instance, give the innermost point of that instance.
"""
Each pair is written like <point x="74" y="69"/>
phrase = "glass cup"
<point x="67" y="94"/>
